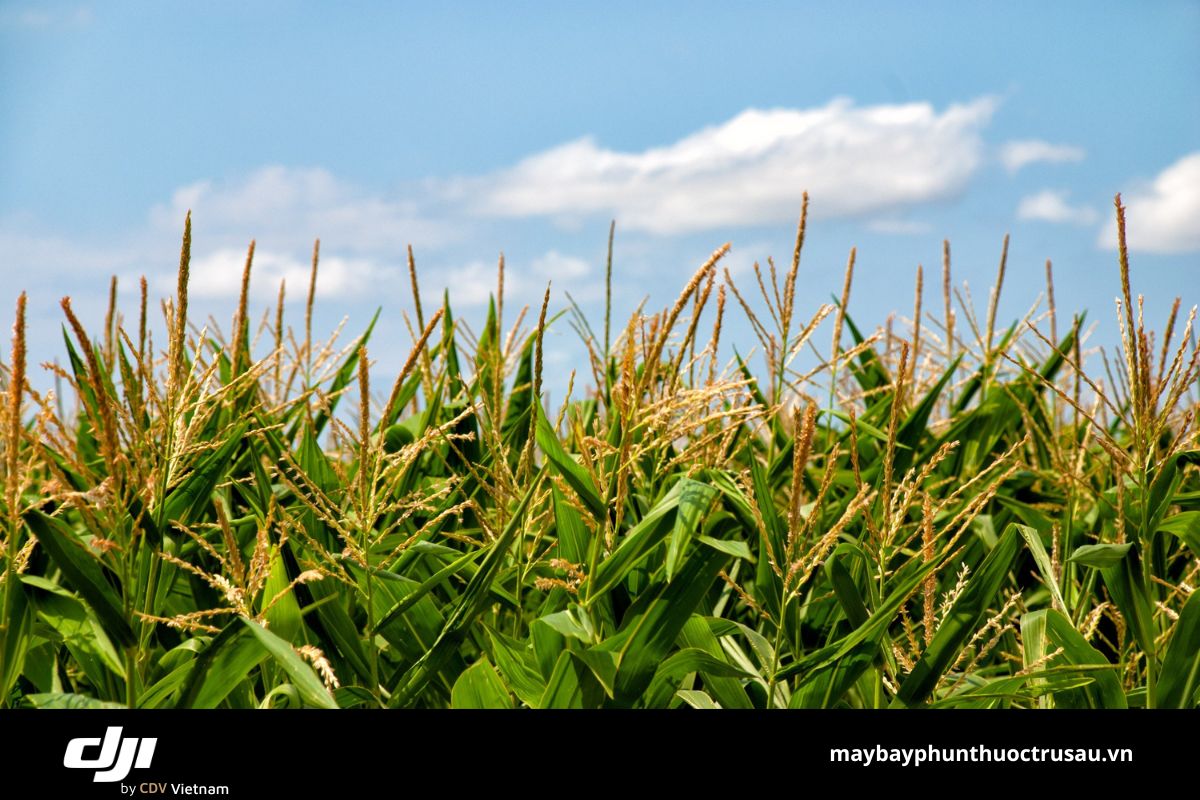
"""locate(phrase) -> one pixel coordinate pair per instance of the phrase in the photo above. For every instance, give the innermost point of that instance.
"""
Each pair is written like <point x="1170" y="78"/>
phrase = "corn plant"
<point x="940" y="512"/>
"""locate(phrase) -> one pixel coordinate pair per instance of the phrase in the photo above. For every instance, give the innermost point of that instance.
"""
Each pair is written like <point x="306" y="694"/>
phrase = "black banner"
<point x="109" y="754"/>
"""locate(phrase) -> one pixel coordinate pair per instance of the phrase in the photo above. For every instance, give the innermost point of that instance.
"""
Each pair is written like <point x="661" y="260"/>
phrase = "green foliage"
<point x="969" y="523"/>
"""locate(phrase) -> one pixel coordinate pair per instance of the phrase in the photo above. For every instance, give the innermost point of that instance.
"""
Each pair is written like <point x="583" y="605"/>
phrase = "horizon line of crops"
<point x="942" y="512"/>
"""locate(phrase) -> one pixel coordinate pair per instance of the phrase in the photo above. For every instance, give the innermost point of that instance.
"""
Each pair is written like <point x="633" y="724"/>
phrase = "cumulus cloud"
<point x="1022" y="153"/>
<point x="472" y="283"/>
<point x="750" y="170"/>
<point x="1163" y="216"/>
<point x="285" y="207"/>
<point x="557" y="266"/>
<point x="219" y="274"/>
<point x="364" y="236"/>
<point x="1050" y="205"/>
<point x="363" y="233"/>
<point x="875" y="162"/>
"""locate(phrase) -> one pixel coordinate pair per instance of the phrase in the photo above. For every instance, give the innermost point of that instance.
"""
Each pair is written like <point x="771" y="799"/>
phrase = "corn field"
<point x="951" y="511"/>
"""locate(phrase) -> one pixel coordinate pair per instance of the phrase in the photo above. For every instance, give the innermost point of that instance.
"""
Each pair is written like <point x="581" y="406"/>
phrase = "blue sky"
<point x="526" y="127"/>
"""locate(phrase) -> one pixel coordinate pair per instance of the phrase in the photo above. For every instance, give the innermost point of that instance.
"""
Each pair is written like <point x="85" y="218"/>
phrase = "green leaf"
<point x="1106" y="690"/>
<point x="284" y="615"/>
<point x="692" y="659"/>
<point x="1180" y="676"/>
<point x="411" y="633"/>
<point x="336" y="627"/>
<point x="161" y="692"/>
<point x="221" y="666"/>
<point x="845" y="588"/>
<point x="654" y="621"/>
<point x="575" y="475"/>
<point x="915" y="425"/>
<point x="874" y="627"/>
<point x="962" y="620"/>
<point x="572" y="536"/>
<point x="83" y="571"/>
<point x="469" y="604"/>
<point x="547" y="644"/>
<point x="425" y="587"/>
<point x="14" y="635"/>
<point x="867" y="369"/>
<point x="870" y="430"/>
<point x="1033" y="539"/>
<point x="516" y="664"/>
<point x="734" y="548"/>
<point x="1099" y="556"/>
<point x="603" y="665"/>
<point x="1027" y="514"/>
<point x="480" y="687"/>
<point x="81" y="632"/>
<point x="1063" y="681"/>
<point x="514" y="430"/>
<point x="448" y="346"/>
<point x="572" y="622"/>
<point x="1186" y="527"/>
<point x="640" y="541"/>
<point x="68" y="700"/>
<point x="302" y="676"/>
<point x="697" y="699"/>
<point x="397" y="437"/>
<point x="1124" y="582"/>
<point x="729" y="692"/>
<point x="825" y="687"/>
<point x="1165" y="485"/>
<point x="562" y="689"/>
<point x="694" y="500"/>
<point x="485" y="354"/>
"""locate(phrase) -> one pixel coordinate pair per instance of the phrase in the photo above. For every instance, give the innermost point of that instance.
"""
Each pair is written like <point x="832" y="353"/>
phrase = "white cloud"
<point x="219" y="274"/>
<point x="471" y="284"/>
<point x="871" y="161"/>
<point x="1050" y="205"/>
<point x="364" y="237"/>
<point x="750" y="170"/>
<point x="1164" y="216"/>
<point x="558" y="267"/>
<point x="286" y="207"/>
<point x="363" y="234"/>
<point x="1021" y="153"/>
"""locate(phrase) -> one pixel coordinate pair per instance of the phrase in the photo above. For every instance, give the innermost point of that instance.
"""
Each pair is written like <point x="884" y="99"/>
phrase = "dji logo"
<point x="117" y="755"/>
